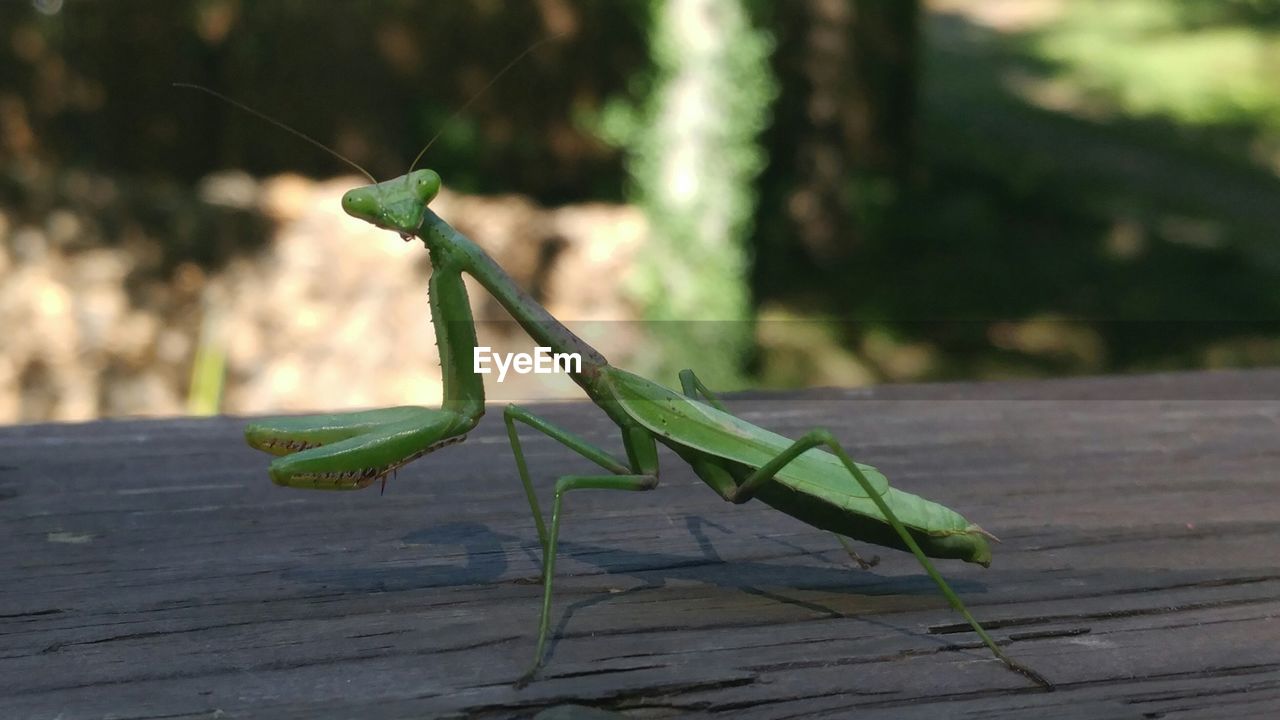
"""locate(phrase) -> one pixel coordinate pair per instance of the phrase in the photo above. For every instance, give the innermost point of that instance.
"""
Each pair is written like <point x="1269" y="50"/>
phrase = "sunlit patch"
<point x="68" y="538"/>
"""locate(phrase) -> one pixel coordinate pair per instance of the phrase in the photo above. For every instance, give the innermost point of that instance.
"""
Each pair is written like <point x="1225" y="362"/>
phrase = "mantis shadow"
<point x="742" y="576"/>
<point x="486" y="560"/>
<point x="485" y="555"/>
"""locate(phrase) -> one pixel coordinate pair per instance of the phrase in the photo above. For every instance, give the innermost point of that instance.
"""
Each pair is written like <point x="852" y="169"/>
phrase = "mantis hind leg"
<point x="815" y="438"/>
<point x="693" y="387"/>
<point x="642" y="474"/>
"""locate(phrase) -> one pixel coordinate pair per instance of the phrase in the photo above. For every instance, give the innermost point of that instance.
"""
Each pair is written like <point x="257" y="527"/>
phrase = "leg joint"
<point x="821" y="436"/>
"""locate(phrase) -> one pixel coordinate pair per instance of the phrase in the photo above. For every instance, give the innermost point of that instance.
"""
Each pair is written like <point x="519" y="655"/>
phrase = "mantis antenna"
<point x="458" y="113"/>
<point x="277" y="123"/>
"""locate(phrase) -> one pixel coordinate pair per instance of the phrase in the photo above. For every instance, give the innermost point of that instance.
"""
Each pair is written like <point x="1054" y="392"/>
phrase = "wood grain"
<point x="151" y="570"/>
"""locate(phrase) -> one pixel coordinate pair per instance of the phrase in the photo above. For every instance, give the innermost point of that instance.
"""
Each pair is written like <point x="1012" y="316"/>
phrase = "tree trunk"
<point x="849" y="70"/>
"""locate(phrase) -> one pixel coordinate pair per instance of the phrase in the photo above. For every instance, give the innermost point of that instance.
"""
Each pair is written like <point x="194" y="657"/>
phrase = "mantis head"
<point x="394" y="204"/>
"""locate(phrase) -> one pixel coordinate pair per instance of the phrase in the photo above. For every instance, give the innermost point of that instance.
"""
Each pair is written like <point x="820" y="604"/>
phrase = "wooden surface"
<point x="151" y="570"/>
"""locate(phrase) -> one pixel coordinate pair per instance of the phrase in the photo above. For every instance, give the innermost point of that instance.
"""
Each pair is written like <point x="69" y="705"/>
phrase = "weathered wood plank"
<point x="149" y="569"/>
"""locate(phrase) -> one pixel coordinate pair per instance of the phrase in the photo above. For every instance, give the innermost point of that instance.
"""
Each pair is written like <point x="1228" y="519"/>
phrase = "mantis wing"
<point x="679" y="420"/>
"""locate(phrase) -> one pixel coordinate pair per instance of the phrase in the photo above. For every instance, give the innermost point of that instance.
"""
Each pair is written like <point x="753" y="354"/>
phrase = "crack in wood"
<point x="1102" y="615"/>
<point x="616" y="700"/>
<point x="58" y="646"/>
<point x="32" y="613"/>
<point x="1178" y="532"/>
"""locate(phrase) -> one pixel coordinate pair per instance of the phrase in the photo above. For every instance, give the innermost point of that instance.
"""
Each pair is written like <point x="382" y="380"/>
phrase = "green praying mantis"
<point x="738" y="460"/>
<point x="812" y="478"/>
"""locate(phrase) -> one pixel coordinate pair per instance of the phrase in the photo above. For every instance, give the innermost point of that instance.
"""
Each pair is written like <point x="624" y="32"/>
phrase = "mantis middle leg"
<point x="641" y="473"/>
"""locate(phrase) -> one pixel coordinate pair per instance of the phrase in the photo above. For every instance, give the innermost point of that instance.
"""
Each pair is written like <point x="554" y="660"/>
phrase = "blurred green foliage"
<point x="1073" y="204"/>
<point x="1197" y="63"/>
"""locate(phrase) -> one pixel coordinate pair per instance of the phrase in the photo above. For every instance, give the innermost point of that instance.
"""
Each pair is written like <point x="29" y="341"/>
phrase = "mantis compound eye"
<point x="424" y="184"/>
<point x="362" y="203"/>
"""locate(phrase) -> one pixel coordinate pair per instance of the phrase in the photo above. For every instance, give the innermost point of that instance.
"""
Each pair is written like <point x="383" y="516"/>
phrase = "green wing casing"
<point x="815" y="488"/>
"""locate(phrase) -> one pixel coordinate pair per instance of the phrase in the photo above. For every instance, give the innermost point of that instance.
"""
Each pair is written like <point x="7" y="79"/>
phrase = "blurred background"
<point x="778" y="194"/>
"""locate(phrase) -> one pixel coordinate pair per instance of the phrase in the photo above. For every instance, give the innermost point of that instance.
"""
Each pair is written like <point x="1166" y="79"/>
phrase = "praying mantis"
<point x="811" y="478"/>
